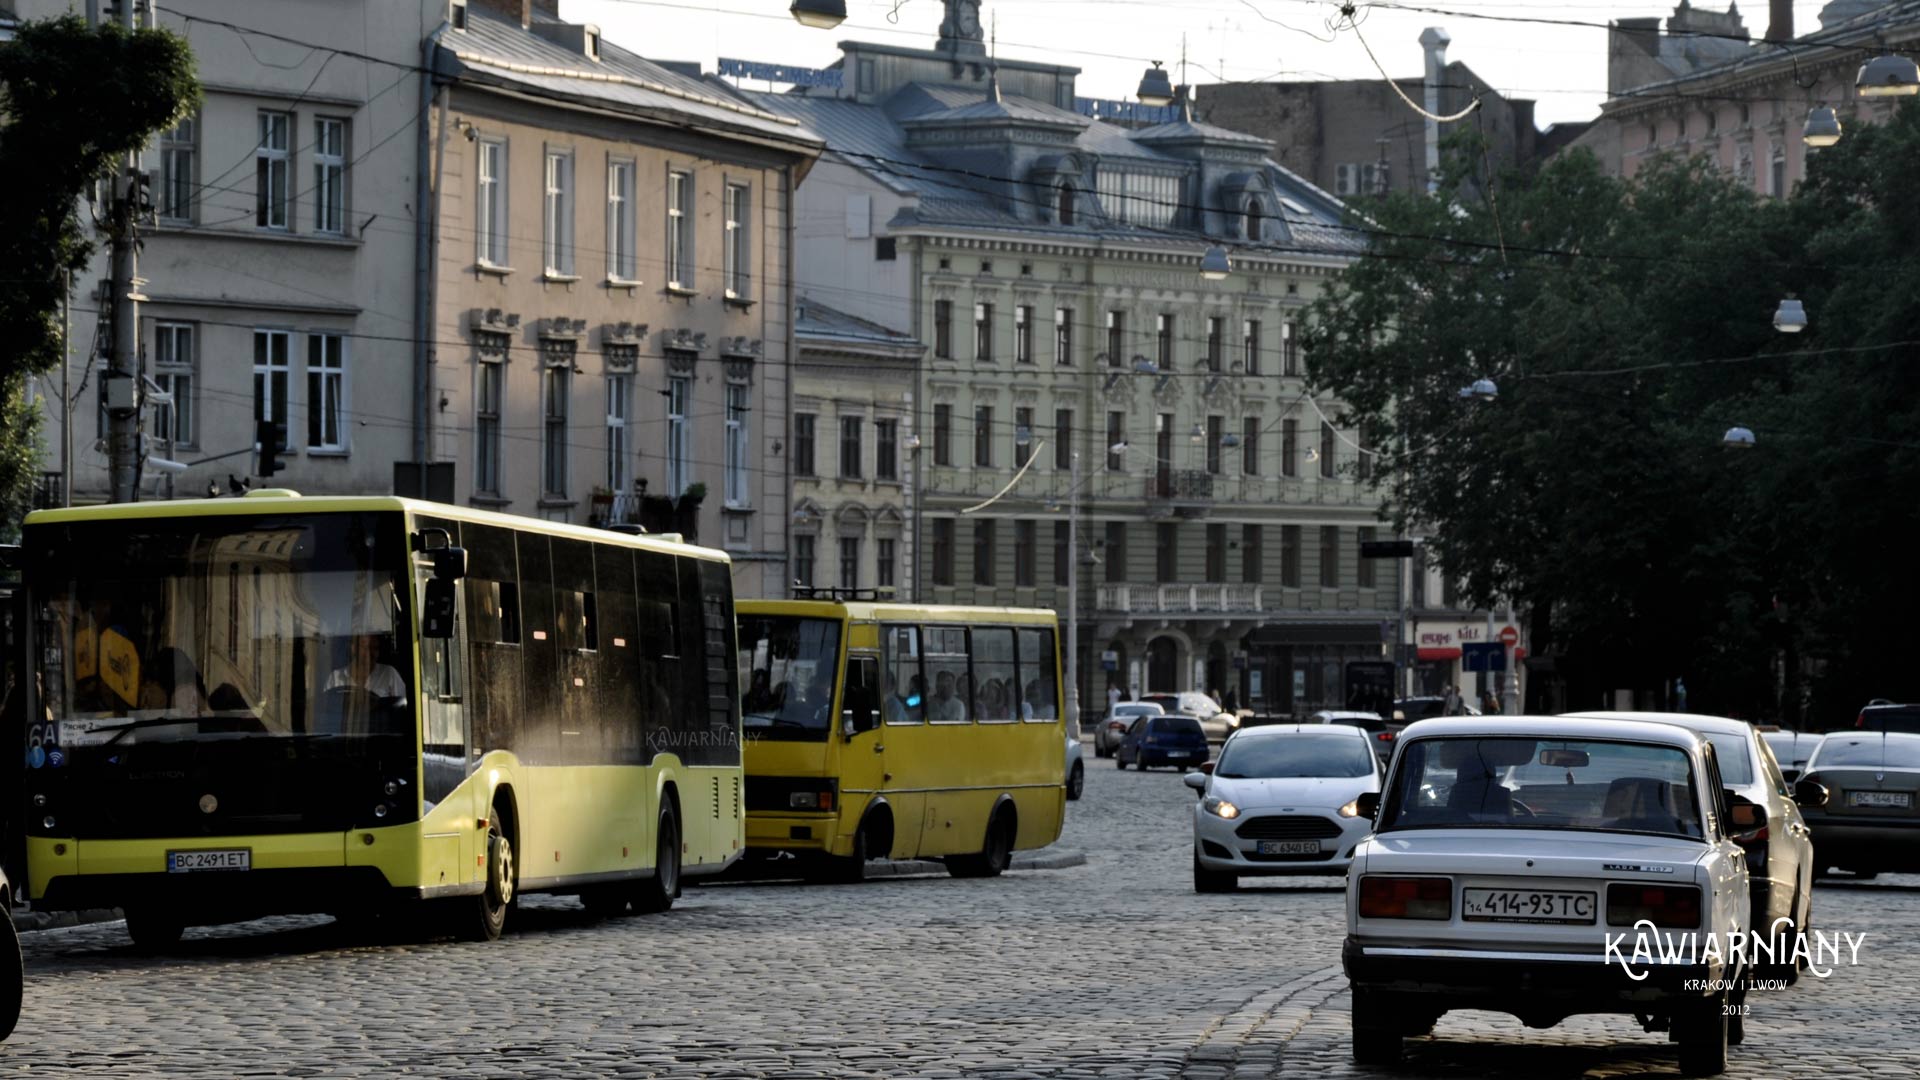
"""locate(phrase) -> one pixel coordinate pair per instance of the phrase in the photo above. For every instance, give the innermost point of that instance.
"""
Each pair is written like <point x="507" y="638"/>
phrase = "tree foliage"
<point x="1628" y="326"/>
<point x="74" y="100"/>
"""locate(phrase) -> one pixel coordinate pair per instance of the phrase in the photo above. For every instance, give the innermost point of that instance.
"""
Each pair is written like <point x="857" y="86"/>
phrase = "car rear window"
<point x="1175" y="725"/>
<point x="1905" y="718"/>
<point x="1869" y="751"/>
<point x="1304" y="754"/>
<point x="1736" y="756"/>
<point x="1529" y="782"/>
<point x="1792" y="747"/>
<point x="1369" y="723"/>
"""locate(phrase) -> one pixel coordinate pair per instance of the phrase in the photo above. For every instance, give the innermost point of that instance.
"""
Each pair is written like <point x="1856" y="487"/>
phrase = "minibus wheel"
<point x="657" y="892"/>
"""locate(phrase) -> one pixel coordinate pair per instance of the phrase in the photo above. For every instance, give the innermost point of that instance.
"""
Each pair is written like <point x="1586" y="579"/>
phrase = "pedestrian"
<point x="1489" y="703"/>
<point x="1113" y="697"/>
<point x="1450" y="701"/>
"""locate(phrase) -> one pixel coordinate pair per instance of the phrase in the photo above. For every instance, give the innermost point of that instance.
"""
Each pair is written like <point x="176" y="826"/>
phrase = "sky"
<point x="1562" y="68"/>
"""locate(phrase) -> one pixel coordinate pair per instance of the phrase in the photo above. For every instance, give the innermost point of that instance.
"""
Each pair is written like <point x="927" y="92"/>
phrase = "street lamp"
<point x="1144" y="366"/>
<point x="1887" y="76"/>
<point x="1790" y="317"/>
<point x="1738" y="438"/>
<point x="1214" y="265"/>
<point x="1823" y="126"/>
<point x="819" y="14"/>
<point x="1155" y="88"/>
<point x="1481" y="390"/>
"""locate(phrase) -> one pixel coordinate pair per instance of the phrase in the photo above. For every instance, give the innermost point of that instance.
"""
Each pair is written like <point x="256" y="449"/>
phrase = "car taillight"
<point x="1405" y="898"/>
<point x="1860" y="721"/>
<point x="1662" y="905"/>
<point x="1385" y="736"/>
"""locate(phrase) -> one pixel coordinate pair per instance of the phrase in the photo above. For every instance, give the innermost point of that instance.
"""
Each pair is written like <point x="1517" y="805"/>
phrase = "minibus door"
<point x="863" y="761"/>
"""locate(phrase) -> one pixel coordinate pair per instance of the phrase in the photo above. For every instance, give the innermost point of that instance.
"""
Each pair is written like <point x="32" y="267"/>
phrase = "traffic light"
<point x="270" y="436"/>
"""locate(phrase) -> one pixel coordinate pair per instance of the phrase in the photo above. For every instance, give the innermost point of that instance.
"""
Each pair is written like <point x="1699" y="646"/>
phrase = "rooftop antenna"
<point x="993" y="56"/>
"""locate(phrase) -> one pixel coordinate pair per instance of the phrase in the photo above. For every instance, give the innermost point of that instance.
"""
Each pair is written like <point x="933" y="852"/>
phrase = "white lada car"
<point x="1548" y="867"/>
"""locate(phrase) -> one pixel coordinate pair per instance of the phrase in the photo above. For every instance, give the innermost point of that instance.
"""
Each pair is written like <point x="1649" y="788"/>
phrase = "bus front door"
<point x="864" y="775"/>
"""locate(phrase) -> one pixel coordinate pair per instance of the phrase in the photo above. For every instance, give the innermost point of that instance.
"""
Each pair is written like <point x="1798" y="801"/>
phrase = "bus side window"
<point x="904" y="697"/>
<point x="1040" y="689"/>
<point x="859" y="697"/>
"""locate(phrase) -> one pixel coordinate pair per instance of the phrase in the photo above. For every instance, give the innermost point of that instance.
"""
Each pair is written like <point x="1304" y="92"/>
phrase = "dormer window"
<point x="593" y="43"/>
<point x="1255" y="219"/>
<point x="457" y="14"/>
<point x="1065" y="204"/>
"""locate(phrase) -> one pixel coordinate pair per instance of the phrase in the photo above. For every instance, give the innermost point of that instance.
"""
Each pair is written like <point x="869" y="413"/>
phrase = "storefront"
<point x="1295" y="669"/>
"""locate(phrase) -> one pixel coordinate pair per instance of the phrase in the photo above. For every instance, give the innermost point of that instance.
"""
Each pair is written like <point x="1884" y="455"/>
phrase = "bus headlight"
<point x="810" y="800"/>
<point x="47" y="823"/>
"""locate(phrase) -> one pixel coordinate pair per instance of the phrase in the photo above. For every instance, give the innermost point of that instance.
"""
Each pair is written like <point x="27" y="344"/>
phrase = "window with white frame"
<point x="272" y="163"/>
<point x="558" y="219"/>
<point x="679" y="230"/>
<point x="619" y="449"/>
<point x="173" y="371"/>
<point x="620" y="251"/>
<point x="326" y="392"/>
<point x="1139" y="198"/>
<point x="556" y="389"/>
<point x="739" y="250"/>
<point x="679" y="399"/>
<point x="490" y="226"/>
<point x="179" y="157"/>
<point x="849" y="562"/>
<point x="272" y="368"/>
<point x="329" y="175"/>
<point x="736" y="460"/>
<point x="488" y="380"/>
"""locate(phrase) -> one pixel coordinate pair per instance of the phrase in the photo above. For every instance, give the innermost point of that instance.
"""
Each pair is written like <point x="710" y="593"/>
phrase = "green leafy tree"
<point x="74" y="100"/>
<point x="1593" y="491"/>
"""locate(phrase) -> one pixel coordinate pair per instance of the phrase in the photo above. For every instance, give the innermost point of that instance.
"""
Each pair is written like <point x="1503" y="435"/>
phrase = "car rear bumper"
<point x="1879" y="844"/>
<point x="1523" y="982"/>
<point x="1191" y="757"/>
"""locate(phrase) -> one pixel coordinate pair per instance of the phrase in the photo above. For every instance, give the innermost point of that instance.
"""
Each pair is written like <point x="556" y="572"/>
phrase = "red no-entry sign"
<point x="1509" y="636"/>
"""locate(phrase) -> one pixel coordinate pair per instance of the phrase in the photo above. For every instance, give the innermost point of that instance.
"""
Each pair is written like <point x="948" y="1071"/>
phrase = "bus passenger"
<point x="1036" y="706"/>
<point x="945" y="708"/>
<point x="900" y="710"/>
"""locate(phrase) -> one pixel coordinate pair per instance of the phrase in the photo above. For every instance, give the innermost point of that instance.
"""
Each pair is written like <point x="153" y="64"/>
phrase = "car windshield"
<point x="1542" y="783"/>
<point x="787" y="665"/>
<point x="1295" y="755"/>
<point x="1175" y="725"/>
<point x="224" y="628"/>
<point x="1870" y="750"/>
<point x="1137" y="710"/>
<point x="1901" y="718"/>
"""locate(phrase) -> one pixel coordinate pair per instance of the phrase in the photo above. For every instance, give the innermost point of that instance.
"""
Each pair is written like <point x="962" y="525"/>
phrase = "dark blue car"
<point x="1163" y="740"/>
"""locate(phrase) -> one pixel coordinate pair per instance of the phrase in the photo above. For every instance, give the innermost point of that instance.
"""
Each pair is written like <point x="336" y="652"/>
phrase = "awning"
<point x="1440" y="654"/>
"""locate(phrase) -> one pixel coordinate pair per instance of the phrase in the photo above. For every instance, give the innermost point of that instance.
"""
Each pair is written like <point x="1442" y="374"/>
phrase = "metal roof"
<point x="816" y="321"/>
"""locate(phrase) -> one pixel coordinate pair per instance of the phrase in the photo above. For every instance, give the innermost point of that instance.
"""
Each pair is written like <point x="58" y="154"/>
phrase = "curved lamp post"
<point x="819" y="14"/>
<point x="1215" y="265"/>
<point x="1822" y="128"/>
<point x="1738" y="438"/>
<point x="1155" y="88"/>
<point x="1790" y="317"/>
<point x="1887" y="76"/>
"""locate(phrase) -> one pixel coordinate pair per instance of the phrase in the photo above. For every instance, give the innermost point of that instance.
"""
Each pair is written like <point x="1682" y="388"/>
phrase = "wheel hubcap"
<point x="503" y="870"/>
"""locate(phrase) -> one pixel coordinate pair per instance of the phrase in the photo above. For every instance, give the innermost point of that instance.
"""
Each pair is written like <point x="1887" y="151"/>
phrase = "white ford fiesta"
<point x="1281" y="799"/>
<point x="1546" y="867"/>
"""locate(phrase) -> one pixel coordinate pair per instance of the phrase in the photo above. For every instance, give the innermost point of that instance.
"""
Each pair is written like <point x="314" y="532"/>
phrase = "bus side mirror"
<point x="436" y="614"/>
<point x="855" y="721"/>
<point x="449" y="563"/>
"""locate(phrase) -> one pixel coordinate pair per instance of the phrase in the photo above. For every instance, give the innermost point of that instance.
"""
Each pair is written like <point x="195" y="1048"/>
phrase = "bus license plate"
<point x="182" y="862"/>
<point x="1289" y="847"/>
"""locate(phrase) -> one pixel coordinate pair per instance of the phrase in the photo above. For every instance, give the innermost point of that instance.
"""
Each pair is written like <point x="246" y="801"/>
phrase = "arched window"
<point x="1065" y="208"/>
<point x="1254" y="219"/>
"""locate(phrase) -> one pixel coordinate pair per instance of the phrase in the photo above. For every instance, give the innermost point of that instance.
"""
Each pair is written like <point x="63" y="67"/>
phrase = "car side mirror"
<point x="1745" y="816"/>
<point x="437" y="611"/>
<point x="1207" y="767"/>
<point x="1196" y="780"/>
<point x="1368" y="804"/>
<point x="1809" y="794"/>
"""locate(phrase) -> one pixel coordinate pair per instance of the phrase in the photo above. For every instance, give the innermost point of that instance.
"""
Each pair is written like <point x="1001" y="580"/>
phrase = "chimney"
<point x="1780" y="21"/>
<point x="1435" y="41"/>
<point x="521" y="10"/>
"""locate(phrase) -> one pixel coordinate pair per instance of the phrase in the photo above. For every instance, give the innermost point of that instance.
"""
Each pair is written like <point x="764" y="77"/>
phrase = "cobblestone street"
<point x="1111" y="968"/>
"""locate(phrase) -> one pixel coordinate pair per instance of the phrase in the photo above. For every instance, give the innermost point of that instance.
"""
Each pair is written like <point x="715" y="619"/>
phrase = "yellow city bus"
<point x="878" y="730"/>
<point x="277" y="704"/>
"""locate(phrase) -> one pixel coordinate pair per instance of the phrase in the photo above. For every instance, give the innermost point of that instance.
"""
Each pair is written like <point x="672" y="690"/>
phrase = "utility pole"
<point x="124" y="374"/>
<point x="1073" y="592"/>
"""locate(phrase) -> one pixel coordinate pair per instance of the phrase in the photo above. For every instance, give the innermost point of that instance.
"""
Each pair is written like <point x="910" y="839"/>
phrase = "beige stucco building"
<point x="611" y="292"/>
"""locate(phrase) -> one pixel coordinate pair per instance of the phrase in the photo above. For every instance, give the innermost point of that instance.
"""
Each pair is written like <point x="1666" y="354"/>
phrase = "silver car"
<point x="1113" y="727"/>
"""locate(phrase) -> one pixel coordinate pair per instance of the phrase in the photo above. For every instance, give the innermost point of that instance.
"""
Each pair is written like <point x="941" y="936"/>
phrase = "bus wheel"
<point x="490" y="914"/>
<point x="850" y="869"/>
<point x="993" y="859"/>
<point x="656" y="893"/>
<point x="153" y="929"/>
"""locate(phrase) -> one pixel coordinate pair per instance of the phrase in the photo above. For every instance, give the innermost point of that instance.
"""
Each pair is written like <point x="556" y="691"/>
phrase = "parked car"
<point x="1861" y="792"/>
<point x="12" y="971"/>
<point x="1408" y="709"/>
<point x="1504" y="854"/>
<point x="1792" y="749"/>
<point x="1780" y="851"/>
<point x="1379" y="732"/>
<point x="1901" y="718"/>
<point x="1215" y="721"/>
<point x="1163" y="740"/>
<point x="1281" y="800"/>
<point x="1076" y="767"/>
<point x="1113" y="728"/>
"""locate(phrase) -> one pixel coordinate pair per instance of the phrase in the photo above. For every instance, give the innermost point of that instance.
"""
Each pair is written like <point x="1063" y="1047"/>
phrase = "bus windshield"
<point x="787" y="665"/>
<point x="222" y="629"/>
